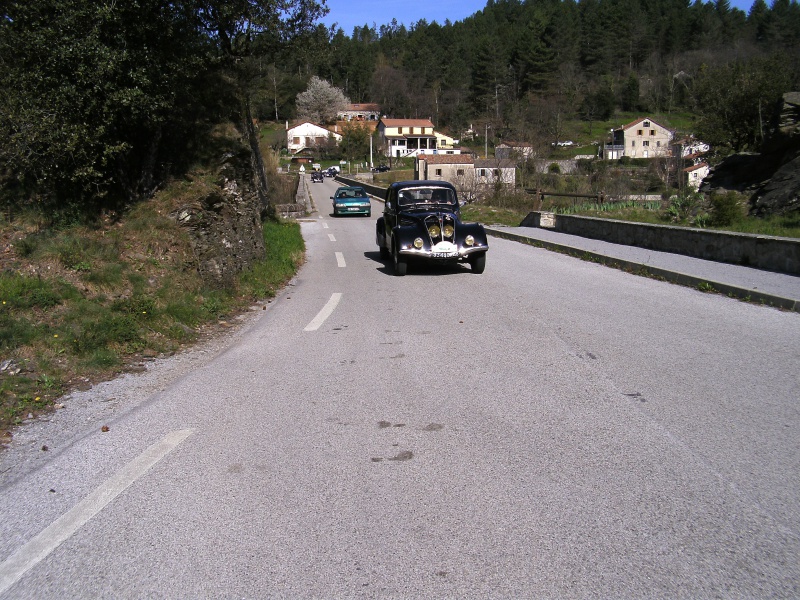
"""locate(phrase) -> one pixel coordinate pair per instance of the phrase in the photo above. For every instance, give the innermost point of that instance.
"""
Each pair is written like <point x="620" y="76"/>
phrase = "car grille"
<point x="439" y="225"/>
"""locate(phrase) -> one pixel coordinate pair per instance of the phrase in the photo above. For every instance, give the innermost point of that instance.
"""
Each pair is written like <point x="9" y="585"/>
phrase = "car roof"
<point x="350" y="187"/>
<point x="423" y="183"/>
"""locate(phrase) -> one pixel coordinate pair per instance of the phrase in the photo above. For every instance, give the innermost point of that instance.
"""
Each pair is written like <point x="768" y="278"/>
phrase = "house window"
<point x="497" y="172"/>
<point x="652" y="132"/>
<point x="658" y="144"/>
<point x="295" y="140"/>
<point x="633" y="143"/>
<point x="646" y="124"/>
<point x="439" y="172"/>
<point x="646" y="143"/>
<point x="639" y="132"/>
<point x="460" y="172"/>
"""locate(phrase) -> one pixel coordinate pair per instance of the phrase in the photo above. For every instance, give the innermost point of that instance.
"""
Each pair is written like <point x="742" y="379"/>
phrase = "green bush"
<point x="726" y="209"/>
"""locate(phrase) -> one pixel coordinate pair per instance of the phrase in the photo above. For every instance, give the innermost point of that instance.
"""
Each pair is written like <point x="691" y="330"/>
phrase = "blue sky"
<point x="351" y="13"/>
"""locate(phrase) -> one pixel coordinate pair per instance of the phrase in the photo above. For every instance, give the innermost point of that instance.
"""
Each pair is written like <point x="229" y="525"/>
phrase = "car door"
<point x="390" y="214"/>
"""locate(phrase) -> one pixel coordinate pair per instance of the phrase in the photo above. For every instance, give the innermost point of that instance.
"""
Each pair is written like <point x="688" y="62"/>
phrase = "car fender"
<point x="476" y="230"/>
<point x="380" y="233"/>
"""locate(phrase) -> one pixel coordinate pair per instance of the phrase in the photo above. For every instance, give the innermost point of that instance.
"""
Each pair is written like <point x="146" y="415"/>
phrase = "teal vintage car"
<point x="351" y="200"/>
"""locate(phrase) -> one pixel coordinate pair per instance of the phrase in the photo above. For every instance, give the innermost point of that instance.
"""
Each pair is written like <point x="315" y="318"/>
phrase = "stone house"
<point x="457" y="169"/>
<point x="518" y="151"/>
<point x="643" y="138"/>
<point x="360" y="112"/>
<point x="490" y="171"/>
<point x="307" y="136"/>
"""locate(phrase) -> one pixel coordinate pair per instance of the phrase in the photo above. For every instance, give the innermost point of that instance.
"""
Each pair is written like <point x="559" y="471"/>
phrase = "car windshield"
<point x="356" y="193"/>
<point x="426" y="195"/>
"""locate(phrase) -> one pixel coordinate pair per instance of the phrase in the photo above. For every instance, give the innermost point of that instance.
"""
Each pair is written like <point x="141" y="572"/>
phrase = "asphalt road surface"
<point x="549" y="429"/>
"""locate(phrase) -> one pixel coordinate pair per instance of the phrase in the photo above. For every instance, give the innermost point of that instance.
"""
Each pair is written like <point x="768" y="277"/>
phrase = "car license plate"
<point x="444" y="254"/>
<point x="353" y="208"/>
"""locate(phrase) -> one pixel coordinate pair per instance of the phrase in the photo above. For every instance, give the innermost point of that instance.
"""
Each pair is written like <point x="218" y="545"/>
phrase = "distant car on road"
<point x="381" y="169"/>
<point x="421" y="221"/>
<point x="351" y="200"/>
<point x="316" y="176"/>
<point x="331" y="172"/>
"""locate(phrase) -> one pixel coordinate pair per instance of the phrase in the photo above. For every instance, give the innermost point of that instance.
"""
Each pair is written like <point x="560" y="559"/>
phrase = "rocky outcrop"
<point x="224" y="226"/>
<point x="772" y="177"/>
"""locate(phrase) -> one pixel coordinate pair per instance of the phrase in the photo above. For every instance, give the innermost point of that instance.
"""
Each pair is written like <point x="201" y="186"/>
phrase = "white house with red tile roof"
<point x="643" y="138"/>
<point x="308" y="135"/>
<point x="695" y="175"/>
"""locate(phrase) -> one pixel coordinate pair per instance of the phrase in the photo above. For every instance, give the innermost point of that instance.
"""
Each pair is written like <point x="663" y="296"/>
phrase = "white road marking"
<point x="324" y="225"/>
<point x="326" y="312"/>
<point x="65" y="526"/>
<point x="331" y="238"/>
<point x="340" y="259"/>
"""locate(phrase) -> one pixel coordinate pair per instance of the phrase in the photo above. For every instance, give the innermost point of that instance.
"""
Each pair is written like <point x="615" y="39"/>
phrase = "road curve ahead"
<point x="550" y="428"/>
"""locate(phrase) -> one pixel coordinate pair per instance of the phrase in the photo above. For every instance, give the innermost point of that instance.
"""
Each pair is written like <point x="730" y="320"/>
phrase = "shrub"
<point x="726" y="209"/>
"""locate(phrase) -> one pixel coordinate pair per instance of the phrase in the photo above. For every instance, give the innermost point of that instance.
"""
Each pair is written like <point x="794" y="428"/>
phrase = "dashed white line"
<point x="340" y="259"/>
<point x="326" y="312"/>
<point x="331" y="237"/>
<point x="324" y="225"/>
<point x="65" y="526"/>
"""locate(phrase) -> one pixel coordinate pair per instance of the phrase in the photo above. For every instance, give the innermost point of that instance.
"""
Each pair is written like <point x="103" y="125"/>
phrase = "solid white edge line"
<point x="340" y="259"/>
<point x="326" y="312"/>
<point x="65" y="526"/>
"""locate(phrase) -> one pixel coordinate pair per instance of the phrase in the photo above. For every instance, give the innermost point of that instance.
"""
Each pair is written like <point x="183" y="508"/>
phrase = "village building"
<point x="309" y="136"/>
<point x="695" y="175"/>
<point x="492" y="171"/>
<point x="643" y="138"/>
<point x="410" y="137"/>
<point x="513" y="150"/>
<point x="360" y="112"/>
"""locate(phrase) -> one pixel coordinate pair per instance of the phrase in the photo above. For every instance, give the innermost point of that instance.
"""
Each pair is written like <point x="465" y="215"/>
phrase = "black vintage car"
<point x="421" y="220"/>
<point x="316" y="177"/>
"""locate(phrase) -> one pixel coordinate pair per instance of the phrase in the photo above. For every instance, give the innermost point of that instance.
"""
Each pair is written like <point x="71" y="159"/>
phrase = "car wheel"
<point x="478" y="263"/>
<point x="368" y="215"/>
<point x="399" y="262"/>
<point x="385" y="253"/>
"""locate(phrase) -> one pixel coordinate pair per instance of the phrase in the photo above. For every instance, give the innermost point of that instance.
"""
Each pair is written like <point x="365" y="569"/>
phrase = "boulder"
<point x="224" y="226"/>
<point x="772" y="177"/>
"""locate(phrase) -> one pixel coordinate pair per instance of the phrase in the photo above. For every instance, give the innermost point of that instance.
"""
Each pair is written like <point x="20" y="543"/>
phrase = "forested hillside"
<point x="102" y="101"/>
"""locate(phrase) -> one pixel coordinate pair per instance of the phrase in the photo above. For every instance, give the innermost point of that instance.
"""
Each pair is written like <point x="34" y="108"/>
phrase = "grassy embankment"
<point x="82" y="303"/>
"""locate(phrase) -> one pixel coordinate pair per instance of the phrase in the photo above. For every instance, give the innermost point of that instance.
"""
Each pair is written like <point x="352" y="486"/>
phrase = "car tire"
<point x="385" y="254"/>
<point x="399" y="262"/>
<point x="478" y="263"/>
<point x="368" y="215"/>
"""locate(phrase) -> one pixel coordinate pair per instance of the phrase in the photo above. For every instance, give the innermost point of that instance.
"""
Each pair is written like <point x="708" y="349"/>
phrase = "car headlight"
<point x="469" y="240"/>
<point x="418" y="243"/>
<point x="448" y="231"/>
<point x="434" y="231"/>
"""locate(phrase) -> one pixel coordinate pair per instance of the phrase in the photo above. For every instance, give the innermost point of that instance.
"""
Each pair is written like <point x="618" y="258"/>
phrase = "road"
<point x="550" y="428"/>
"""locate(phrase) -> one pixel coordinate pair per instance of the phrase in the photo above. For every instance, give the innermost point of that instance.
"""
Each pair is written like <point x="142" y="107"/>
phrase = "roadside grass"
<point x="83" y="303"/>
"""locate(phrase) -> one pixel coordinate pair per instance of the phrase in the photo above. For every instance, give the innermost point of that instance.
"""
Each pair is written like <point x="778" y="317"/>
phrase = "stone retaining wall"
<point x="759" y="251"/>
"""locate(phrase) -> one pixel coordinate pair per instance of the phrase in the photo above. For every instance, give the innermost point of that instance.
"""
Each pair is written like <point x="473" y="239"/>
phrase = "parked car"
<point x="331" y="172"/>
<point x="351" y="200"/>
<point x="422" y="221"/>
<point x="316" y="176"/>
<point x="380" y="168"/>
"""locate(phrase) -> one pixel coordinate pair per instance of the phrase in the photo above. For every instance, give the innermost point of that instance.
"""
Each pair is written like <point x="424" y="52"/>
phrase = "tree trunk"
<point x="256" y="160"/>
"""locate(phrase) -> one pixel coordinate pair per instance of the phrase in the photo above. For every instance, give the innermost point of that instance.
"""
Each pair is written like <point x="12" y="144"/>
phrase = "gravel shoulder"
<point x="83" y="413"/>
